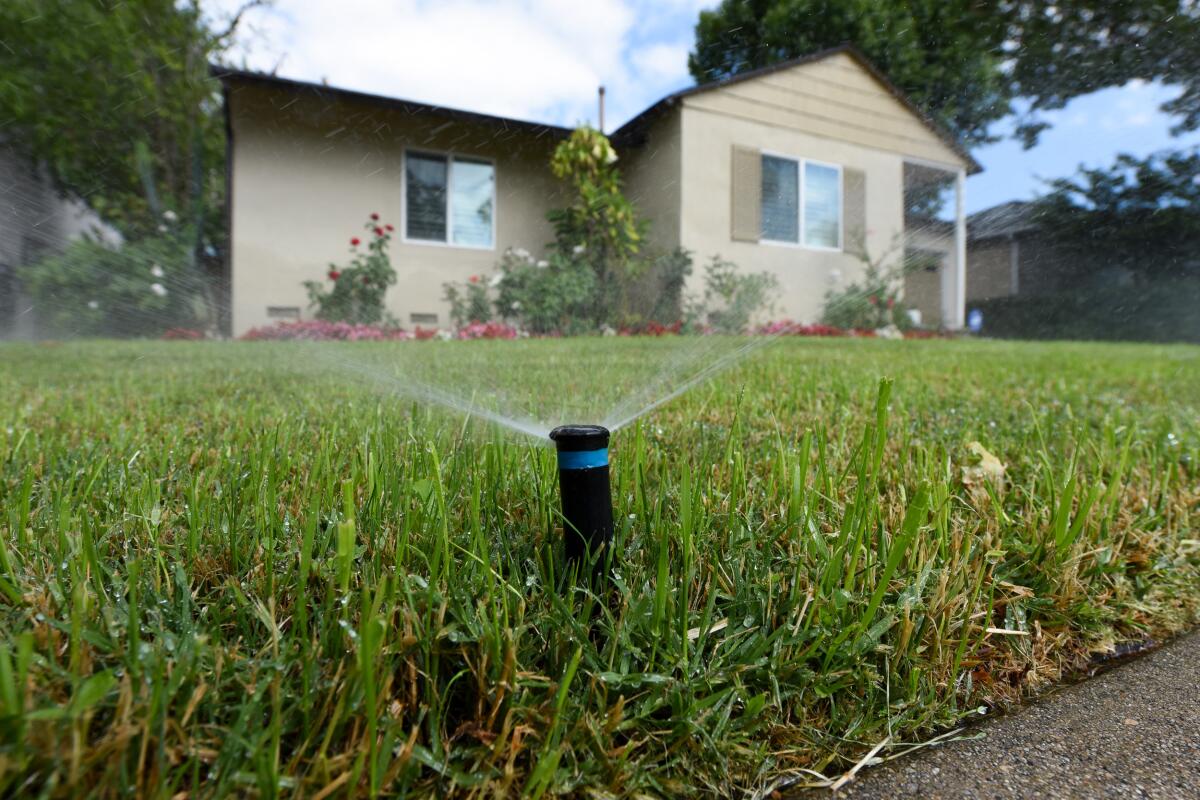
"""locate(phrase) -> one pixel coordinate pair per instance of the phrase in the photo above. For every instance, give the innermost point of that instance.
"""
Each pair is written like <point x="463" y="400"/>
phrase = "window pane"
<point x="822" y="206"/>
<point x="471" y="205"/>
<point x="780" y="200"/>
<point x="425" y="215"/>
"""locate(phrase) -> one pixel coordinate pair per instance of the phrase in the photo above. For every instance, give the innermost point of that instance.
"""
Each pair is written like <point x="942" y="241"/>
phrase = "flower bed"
<point x="318" y="331"/>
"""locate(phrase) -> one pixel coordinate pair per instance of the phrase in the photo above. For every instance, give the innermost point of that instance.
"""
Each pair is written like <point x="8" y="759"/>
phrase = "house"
<point x="1012" y="253"/>
<point x="801" y="168"/>
<point x="35" y="221"/>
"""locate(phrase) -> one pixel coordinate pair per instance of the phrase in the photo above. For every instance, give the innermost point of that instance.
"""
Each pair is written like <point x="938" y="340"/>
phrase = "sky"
<point x="543" y="60"/>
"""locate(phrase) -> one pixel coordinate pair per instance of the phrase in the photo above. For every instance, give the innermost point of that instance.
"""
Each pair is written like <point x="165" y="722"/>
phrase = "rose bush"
<point x="355" y="293"/>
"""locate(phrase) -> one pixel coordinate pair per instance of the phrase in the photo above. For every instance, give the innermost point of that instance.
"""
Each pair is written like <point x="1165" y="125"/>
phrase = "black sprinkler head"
<point x="584" y="487"/>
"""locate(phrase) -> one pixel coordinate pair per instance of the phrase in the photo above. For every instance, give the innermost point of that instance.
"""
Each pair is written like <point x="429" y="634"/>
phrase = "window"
<point x="822" y="206"/>
<point x="804" y="211"/>
<point x="449" y="199"/>
<point x="780" y="200"/>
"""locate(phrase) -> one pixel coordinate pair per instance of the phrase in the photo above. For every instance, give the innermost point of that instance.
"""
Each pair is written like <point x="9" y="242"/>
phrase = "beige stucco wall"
<point x="308" y="171"/>
<point x="804" y="274"/>
<point x="652" y="176"/>
<point x="831" y="111"/>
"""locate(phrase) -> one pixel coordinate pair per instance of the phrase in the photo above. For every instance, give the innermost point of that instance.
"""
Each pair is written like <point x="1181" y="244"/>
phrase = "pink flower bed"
<point x="320" y="331"/>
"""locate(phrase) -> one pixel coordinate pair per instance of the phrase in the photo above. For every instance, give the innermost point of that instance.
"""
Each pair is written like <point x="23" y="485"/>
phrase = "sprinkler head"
<point x="584" y="488"/>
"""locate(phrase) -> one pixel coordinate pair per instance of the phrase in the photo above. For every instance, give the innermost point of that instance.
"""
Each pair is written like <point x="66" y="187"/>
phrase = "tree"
<point x="600" y="226"/>
<point x="114" y="98"/>
<point x="1142" y="215"/>
<point x="965" y="61"/>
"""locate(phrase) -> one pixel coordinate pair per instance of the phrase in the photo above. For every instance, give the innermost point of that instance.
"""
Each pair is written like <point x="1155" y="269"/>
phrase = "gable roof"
<point x="633" y="130"/>
<point x="629" y="133"/>
<point x="228" y="76"/>
<point x="1005" y="219"/>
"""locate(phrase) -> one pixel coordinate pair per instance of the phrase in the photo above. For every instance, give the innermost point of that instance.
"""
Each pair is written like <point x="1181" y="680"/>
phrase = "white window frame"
<point x="800" y="163"/>
<point x="450" y="156"/>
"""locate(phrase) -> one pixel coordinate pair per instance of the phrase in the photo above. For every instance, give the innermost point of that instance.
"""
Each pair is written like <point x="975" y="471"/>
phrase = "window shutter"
<point x="746" y="194"/>
<point x="854" y="212"/>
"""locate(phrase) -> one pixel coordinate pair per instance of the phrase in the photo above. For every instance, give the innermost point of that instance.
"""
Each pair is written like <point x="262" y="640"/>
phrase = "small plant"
<point x="870" y="304"/>
<point x="549" y="295"/>
<point x="469" y="303"/>
<point x="731" y="299"/>
<point x="358" y="288"/>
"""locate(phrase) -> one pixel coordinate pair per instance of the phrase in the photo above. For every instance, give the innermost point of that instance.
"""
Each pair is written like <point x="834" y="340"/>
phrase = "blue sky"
<point x="543" y="59"/>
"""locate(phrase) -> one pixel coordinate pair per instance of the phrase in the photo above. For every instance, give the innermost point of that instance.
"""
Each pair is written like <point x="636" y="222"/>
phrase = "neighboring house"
<point x="801" y="169"/>
<point x="35" y="221"/>
<point x="1011" y="253"/>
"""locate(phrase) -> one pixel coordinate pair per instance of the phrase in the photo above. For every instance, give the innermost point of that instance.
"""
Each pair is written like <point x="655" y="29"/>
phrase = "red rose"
<point x="474" y="279"/>
<point x="873" y="300"/>
<point x="379" y="231"/>
<point x="891" y="302"/>
<point x="334" y="274"/>
<point x="388" y="228"/>
<point x="355" y="241"/>
<point x="374" y="216"/>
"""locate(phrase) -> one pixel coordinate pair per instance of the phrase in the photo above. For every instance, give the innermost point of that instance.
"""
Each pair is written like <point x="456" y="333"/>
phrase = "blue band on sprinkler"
<point x="584" y="459"/>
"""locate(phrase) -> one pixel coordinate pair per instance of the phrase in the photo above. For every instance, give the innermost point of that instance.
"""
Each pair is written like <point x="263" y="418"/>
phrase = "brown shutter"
<point x="854" y="212"/>
<point x="746" y="194"/>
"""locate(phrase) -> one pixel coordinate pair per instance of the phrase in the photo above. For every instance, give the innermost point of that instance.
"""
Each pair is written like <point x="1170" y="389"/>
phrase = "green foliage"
<point x="652" y="291"/>
<point x="468" y="303"/>
<point x="550" y="295"/>
<point x="140" y="288"/>
<point x="600" y="226"/>
<point x="1160" y="310"/>
<point x="116" y="100"/>
<point x="233" y="569"/>
<point x="731" y="299"/>
<point x="870" y="303"/>
<point x="965" y="61"/>
<point x="359" y="288"/>
<point x="1139" y="215"/>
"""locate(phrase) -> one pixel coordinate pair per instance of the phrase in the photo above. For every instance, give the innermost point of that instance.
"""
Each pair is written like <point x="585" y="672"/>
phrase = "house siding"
<point x="834" y="98"/>
<point x="652" y="173"/>
<point x="709" y="136"/>
<point x="309" y="170"/>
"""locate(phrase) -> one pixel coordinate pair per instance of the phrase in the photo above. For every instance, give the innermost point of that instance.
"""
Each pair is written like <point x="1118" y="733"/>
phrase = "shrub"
<point x="652" y="290"/>
<point x="138" y="288"/>
<point x="731" y="299"/>
<point x="469" y="303"/>
<point x="1153" y="311"/>
<point x="358" y="288"/>
<point x="551" y="295"/>
<point x="874" y="303"/>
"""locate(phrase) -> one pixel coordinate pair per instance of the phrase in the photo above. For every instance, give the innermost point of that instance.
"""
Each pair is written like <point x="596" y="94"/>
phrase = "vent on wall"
<point x="423" y="319"/>
<point x="283" y="312"/>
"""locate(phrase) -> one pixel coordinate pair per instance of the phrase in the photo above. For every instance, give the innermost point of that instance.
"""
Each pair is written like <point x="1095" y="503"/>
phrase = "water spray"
<point x="584" y="488"/>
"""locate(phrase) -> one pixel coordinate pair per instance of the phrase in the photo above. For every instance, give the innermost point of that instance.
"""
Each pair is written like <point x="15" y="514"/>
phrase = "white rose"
<point x="169" y="215"/>
<point x="156" y="271"/>
<point x="496" y="280"/>
<point x="158" y="289"/>
<point x="543" y="264"/>
<point x="579" y="248"/>
<point x="93" y="304"/>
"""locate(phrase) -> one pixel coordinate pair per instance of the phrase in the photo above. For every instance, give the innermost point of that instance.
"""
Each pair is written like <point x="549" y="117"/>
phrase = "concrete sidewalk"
<point x="1132" y="732"/>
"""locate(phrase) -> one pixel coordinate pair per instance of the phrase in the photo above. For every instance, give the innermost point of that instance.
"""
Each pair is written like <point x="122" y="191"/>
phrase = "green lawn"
<point x="251" y="569"/>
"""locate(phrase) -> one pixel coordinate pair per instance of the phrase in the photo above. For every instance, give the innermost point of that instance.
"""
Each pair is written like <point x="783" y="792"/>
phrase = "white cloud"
<point x="530" y="59"/>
